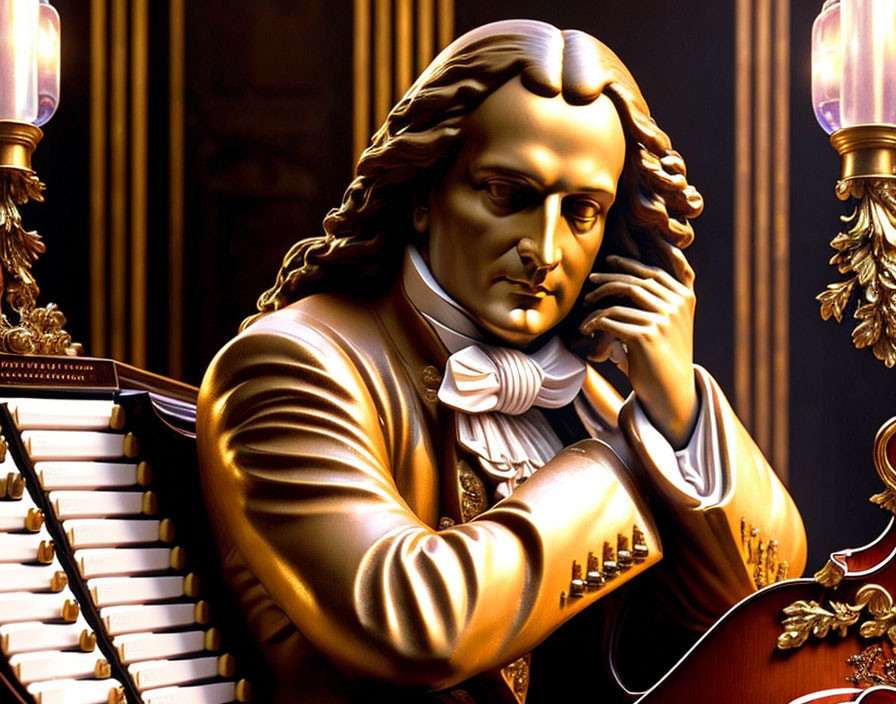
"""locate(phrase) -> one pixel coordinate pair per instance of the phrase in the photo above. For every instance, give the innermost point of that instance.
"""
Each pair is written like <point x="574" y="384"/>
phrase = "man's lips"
<point x="528" y="288"/>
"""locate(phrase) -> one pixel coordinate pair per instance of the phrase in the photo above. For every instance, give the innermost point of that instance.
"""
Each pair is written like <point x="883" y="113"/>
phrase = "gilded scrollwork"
<point x="34" y="330"/>
<point x="867" y="252"/>
<point x="830" y="575"/>
<point x="805" y="618"/>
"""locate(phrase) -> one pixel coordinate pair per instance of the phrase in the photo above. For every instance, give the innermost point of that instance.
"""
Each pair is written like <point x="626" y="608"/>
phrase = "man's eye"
<point x="506" y="195"/>
<point x="582" y="213"/>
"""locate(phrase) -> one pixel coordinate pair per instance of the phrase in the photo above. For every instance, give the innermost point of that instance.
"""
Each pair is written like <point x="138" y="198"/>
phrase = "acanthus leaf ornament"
<point x="867" y="250"/>
<point x="805" y="618"/>
<point x="24" y="327"/>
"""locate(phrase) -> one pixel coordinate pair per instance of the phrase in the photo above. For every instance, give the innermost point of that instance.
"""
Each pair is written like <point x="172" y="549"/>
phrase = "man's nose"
<point x="539" y="252"/>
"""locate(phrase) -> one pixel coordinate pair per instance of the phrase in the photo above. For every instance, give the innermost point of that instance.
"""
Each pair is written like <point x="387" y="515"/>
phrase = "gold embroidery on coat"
<point x="473" y="499"/>
<point x="761" y="556"/>
<point x="516" y="675"/>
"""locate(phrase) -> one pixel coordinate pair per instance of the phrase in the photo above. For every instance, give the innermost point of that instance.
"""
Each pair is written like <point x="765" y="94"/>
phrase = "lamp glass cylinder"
<point x="48" y="60"/>
<point x="827" y="66"/>
<point x="18" y="59"/>
<point x="869" y="62"/>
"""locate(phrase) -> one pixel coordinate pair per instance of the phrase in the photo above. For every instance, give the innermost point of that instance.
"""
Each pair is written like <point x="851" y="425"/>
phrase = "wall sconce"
<point x="854" y="96"/>
<point x="29" y="94"/>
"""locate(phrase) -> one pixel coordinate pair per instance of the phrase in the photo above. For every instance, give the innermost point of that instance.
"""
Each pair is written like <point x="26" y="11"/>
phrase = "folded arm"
<point x="296" y="469"/>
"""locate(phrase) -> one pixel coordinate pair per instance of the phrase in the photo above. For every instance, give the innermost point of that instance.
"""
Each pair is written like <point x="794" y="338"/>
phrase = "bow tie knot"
<point x="484" y="379"/>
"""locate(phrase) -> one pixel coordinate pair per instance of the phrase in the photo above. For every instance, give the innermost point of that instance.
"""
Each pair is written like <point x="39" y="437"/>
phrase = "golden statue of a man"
<point x="415" y="471"/>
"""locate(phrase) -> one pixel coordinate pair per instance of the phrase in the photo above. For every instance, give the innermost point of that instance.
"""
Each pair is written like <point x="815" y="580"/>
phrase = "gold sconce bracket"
<point x="866" y="251"/>
<point x="24" y="328"/>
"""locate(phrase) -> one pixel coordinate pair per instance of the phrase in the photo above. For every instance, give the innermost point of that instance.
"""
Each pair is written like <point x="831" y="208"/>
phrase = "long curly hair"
<point x="362" y="239"/>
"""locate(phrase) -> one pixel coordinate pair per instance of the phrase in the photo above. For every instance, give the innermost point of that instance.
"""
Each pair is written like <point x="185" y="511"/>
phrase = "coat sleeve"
<point x="296" y="474"/>
<point x="719" y="552"/>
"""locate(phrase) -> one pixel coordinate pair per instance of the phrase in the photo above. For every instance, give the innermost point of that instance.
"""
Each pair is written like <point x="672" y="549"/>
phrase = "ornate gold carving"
<point x="37" y="330"/>
<point x="516" y="676"/>
<point x="867" y="250"/>
<point x="829" y="575"/>
<point x="806" y="618"/>
<point x="873" y="666"/>
<point x="761" y="556"/>
<point x="885" y="470"/>
<point x="473" y="499"/>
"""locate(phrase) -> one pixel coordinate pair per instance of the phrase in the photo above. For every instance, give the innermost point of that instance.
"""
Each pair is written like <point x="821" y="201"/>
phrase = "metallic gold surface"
<point x="866" y="151"/>
<point x="117" y="272"/>
<point x="864" y="251"/>
<point x="830" y="575"/>
<point x="357" y="532"/>
<point x="780" y="328"/>
<point x="98" y="176"/>
<point x="743" y="210"/>
<point x="18" y="140"/>
<point x="139" y="188"/>
<point x="761" y="223"/>
<point x="361" y="77"/>
<point x="24" y="327"/>
<point x="805" y="618"/>
<point x="382" y="59"/>
<point x="884" y="466"/>
<point x="176" y="193"/>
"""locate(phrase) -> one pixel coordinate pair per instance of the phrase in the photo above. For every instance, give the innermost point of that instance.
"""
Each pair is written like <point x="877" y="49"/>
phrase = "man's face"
<point x="515" y="224"/>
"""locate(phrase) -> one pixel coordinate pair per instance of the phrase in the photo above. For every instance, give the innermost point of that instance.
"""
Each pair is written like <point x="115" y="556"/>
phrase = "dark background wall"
<point x="268" y="89"/>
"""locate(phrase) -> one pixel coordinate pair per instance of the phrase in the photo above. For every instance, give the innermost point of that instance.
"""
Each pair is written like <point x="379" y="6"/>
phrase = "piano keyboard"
<point x="97" y="604"/>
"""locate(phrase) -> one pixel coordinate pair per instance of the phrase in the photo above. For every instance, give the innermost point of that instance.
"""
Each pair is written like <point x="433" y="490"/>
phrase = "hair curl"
<point x="363" y="237"/>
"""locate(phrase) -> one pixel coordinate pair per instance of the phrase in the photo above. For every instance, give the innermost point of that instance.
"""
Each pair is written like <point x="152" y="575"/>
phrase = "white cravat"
<point x="495" y="391"/>
<point x="511" y="447"/>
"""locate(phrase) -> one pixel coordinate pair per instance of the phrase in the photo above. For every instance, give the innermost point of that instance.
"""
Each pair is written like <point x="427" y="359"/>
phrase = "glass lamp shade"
<point x="827" y="66"/>
<point x="18" y="60"/>
<point x="869" y="62"/>
<point x="48" y="61"/>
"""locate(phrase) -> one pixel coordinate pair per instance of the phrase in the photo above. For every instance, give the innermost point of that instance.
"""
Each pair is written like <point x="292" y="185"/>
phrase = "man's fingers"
<point x="633" y="266"/>
<point x="599" y="320"/>
<point x="651" y="285"/>
<point x="635" y="292"/>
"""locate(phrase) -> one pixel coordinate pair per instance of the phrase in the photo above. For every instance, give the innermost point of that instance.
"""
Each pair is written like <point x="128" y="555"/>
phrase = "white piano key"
<point x="59" y="414"/>
<point x="165" y="673"/>
<point x="85" y="475"/>
<point x="99" y="532"/>
<point x="50" y="664"/>
<point x="26" y="547"/>
<point x="86" y="504"/>
<point x="108" y="562"/>
<point x="32" y="578"/>
<point x="149" y="617"/>
<point x="35" y="635"/>
<point x="134" y="647"/>
<point x="26" y="606"/>
<point x="76" y="445"/>
<point x="20" y="515"/>
<point x="67" y="691"/>
<point x="108" y="591"/>
<point x="214" y="693"/>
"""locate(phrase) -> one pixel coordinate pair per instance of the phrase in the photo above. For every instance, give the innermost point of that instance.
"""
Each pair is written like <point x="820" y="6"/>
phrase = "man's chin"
<point x="518" y="327"/>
